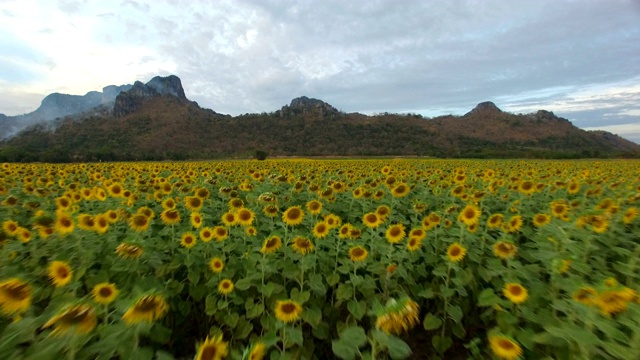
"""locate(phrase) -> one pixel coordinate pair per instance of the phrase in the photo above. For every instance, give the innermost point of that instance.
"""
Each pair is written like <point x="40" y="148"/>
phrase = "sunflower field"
<point x="320" y="259"/>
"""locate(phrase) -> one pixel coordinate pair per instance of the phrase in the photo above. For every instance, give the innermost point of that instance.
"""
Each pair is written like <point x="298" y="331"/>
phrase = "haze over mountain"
<point x="156" y="121"/>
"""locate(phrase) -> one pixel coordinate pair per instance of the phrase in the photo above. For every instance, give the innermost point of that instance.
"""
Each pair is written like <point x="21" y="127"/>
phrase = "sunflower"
<point x="188" y="240"/>
<point x="332" y="220"/>
<point x="355" y="233"/>
<point x="206" y="234"/>
<point x="288" y="310"/>
<point x="456" y="252"/>
<point x="559" y="209"/>
<point x="60" y="273"/>
<point x="540" y="220"/>
<point x="257" y="351"/>
<point x="418" y="233"/>
<point x="270" y="210"/>
<point x="212" y="349"/>
<point x="63" y="203"/>
<point x="169" y="204"/>
<point x="216" y="265"/>
<point x="398" y="316"/>
<point x="196" y="220"/>
<point x="146" y="309"/>
<point x="10" y="227"/>
<point x="112" y="216"/>
<point x="527" y="187"/>
<point x="515" y="223"/>
<point x="504" y="347"/>
<point x="302" y="245"/>
<point x="383" y="211"/>
<point x="611" y="302"/>
<point x="245" y="216"/>
<point x="271" y="244"/>
<point x="146" y="212"/>
<point x="414" y="243"/>
<point x="104" y="293"/>
<point x="470" y="215"/>
<point x="343" y="233"/>
<point x="630" y="215"/>
<point x="320" y="230"/>
<point x="293" y="216"/>
<point x="599" y="224"/>
<point x="24" y="235"/>
<point x="64" y="223"/>
<point x="202" y="193"/>
<point x="401" y="190"/>
<point x="229" y="219"/>
<point x="573" y="187"/>
<point x="495" y="221"/>
<point x="115" y="190"/>
<point x="139" y="222"/>
<point x="585" y="295"/>
<point x="80" y="319"/>
<point x="86" y="222"/>
<point x="395" y="233"/>
<point x="314" y="207"/>
<point x="193" y="203"/>
<point x="15" y="296"/>
<point x="225" y="286"/>
<point x="358" y="253"/>
<point x="129" y="251"/>
<point x="504" y="250"/>
<point x="235" y="204"/>
<point x="371" y="220"/>
<point x="515" y="292"/>
<point x="251" y="231"/>
<point x="220" y="233"/>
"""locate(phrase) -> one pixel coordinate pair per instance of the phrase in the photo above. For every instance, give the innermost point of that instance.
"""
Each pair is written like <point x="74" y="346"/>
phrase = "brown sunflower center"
<point x="140" y="220"/>
<point x="303" y="243"/>
<point x="469" y="213"/>
<point x="172" y="214"/>
<point x="75" y="316"/>
<point x="515" y="290"/>
<point x="272" y="242"/>
<point x="209" y="352"/>
<point x="357" y="252"/>
<point x="455" y="251"/>
<point x="17" y="291"/>
<point x="395" y="231"/>
<point x="146" y="304"/>
<point x="506" y="344"/>
<point x="105" y="292"/>
<point x="293" y="214"/>
<point x="288" y="308"/>
<point x="62" y="272"/>
<point x="371" y="218"/>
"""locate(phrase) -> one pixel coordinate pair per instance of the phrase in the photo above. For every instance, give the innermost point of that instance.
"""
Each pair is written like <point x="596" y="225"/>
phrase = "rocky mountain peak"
<point x="303" y="105"/>
<point x="131" y="100"/>
<point x="486" y="106"/>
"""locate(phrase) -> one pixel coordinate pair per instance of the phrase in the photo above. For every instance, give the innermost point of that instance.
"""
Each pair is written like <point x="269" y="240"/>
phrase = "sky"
<point x="577" y="58"/>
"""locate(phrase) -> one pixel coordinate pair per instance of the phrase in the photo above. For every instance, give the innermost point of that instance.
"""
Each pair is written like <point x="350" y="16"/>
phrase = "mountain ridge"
<point x="155" y="121"/>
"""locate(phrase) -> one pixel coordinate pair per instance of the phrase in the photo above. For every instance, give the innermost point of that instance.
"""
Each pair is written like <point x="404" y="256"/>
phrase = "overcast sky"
<point x="579" y="58"/>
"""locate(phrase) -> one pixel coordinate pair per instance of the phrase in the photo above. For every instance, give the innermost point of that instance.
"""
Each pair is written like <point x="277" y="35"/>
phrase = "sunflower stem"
<point x="446" y="302"/>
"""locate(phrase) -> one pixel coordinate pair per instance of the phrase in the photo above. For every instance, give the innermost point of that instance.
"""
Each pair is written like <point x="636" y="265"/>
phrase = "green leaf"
<point x="354" y="335"/>
<point x="427" y="293"/>
<point x="194" y="277"/>
<point x="343" y="350"/>
<point x="160" y="334"/>
<point x="455" y="312"/>
<point x="231" y="319"/>
<point x="300" y="297"/>
<point x="197" y="292"/>
<point x="431" y="322"/>
<point x="446" y="292"/>
<point x="355" y="280"/>
<point x="210" y="306"/>
<point x="243" y="284"/>
<point x="357" y="308"/>
<point x="312" y="315"/>
<point x="243" y="329"/>
<point x="487" y="298"/>
<point x="441" y="344"/>
<point x="333" y="279"/>
<point x="163" y="355"/>
<point x="294" y="335"/>
<point x="397" y="348"/>
<point x="316" y="285"/>
<point x="344" y="292"/>
<point x="255" y="311"/>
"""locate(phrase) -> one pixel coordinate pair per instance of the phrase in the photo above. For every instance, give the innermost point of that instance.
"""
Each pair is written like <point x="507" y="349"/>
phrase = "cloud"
<point x="577" y="59"/>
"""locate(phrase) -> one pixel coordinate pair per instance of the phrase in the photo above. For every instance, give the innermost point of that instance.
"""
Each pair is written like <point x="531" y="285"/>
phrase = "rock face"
<point x="131" y="100"/>
<point x="304" y="105"/>
<point x="486" y="106"/>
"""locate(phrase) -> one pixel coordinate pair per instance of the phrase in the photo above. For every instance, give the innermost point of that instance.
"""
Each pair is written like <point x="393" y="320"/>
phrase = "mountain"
<point x="155" y="121"/>
<point x="58" y="105"/>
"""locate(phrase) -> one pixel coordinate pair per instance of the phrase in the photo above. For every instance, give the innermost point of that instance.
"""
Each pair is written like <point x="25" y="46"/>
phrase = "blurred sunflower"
<point x="225" y="286"/>
<point x="504" y="347"/>
<point x="320" y="230"/>
<point x="302" y="245"/>
<point x="456" y="252"/>
<point x="229" y="219"/>
<point x="495" y="221"/>
<point x="15" y="296"/>
<point x="293" y="216"/>
<point x="188" y="240"/>
<point x="398" y="316"/>
<point x="515" y="292"/>
<point x="585" y="295"/>
<point x="358" y="253"/>
<point x="216" y="265"/>
<point x="257" y="351"/>
<point x="196" y="219"/>
<point x="80" y="319"/>
<point x="270" y="210"/>
<point x="139" y="222"/>
<point x="245" y="216"/>
<point x="395" y="233"/>
<point x="60" y="273"/>
<point x="104" y="293"/>
<point x="540" y="220"/>
<point x="271" y="244"/>
<point x="146" y="309"/>
<point x="206" y="234"/>
<point x="470" y="215"/>
<point x="504" y="250"/>
<point x="129" y="251"/>
<point x="193" y="203"/>
<point x="414" y="244"/>
<point x="212" y="349"/>
<point x="288" y="310"/>
<point x="314" y="207"/>
<point x="220" y="233"/>
<point x="371" y="220"/>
